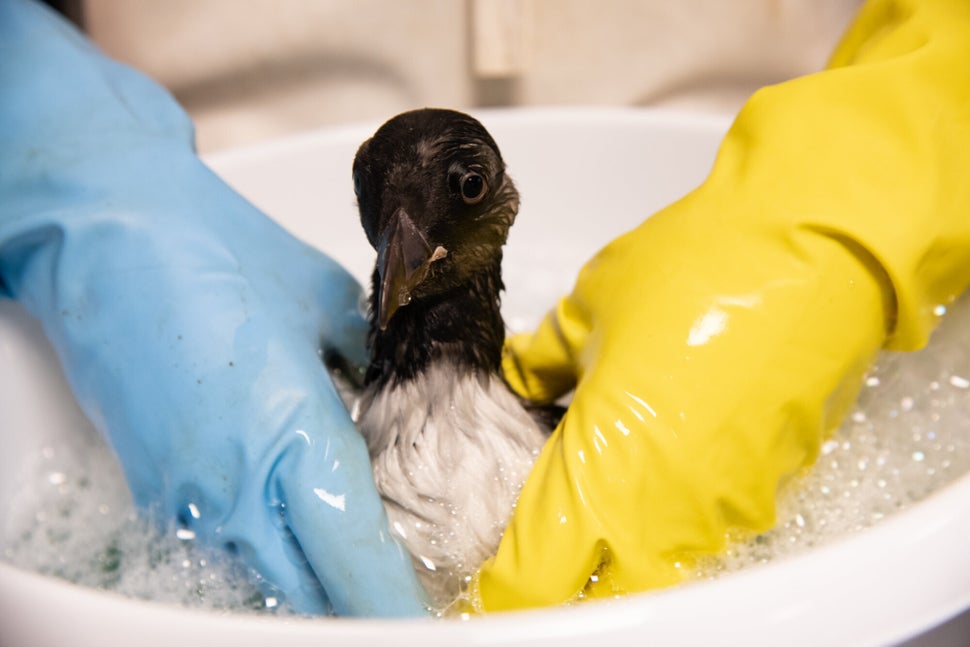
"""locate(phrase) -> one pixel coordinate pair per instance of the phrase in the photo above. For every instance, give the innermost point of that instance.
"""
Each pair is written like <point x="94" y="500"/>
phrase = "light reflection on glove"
<point x="714" y="347"/>
<point x="189" y="325"/>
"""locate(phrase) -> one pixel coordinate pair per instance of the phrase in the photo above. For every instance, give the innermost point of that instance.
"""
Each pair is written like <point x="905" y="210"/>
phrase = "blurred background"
<point x="256" y="69"/>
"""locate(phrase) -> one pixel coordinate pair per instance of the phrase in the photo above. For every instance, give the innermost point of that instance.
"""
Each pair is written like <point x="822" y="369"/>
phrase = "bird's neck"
<point x="462" y="327"/>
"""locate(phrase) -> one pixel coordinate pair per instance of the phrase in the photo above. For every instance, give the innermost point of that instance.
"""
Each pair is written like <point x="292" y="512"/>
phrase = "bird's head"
<point x="435" y="203"/>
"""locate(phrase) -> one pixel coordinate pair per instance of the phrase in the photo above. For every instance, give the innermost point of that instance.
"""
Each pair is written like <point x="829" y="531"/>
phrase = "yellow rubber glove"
<point x="714" y="347"/>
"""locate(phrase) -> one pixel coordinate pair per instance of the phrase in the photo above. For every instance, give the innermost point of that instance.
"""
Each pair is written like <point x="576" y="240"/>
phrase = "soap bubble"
<point x="908" y="436"/>
<point x="76" y="521"/>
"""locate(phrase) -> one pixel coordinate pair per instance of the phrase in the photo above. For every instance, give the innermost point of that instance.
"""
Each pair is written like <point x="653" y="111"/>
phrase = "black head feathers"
<point x="436" y="204"/>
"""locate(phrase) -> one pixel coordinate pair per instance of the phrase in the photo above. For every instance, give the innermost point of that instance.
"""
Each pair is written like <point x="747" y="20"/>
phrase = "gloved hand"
<point x="190" y="326"/>
<point x="714" y="347"/>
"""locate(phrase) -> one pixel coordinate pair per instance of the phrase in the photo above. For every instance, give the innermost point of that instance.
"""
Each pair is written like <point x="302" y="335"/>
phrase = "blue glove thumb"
<point x="190" y="326"/>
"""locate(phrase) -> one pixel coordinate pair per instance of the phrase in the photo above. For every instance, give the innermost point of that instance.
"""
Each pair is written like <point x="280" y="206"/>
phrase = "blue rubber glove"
<point x="190" y="325"/>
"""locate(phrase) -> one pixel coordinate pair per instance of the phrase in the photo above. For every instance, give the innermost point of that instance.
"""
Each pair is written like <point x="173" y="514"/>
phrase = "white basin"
<point x="584" y="176"/>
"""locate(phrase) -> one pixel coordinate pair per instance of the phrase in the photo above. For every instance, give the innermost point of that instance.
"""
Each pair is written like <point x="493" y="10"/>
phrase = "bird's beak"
<point x="403" y="260"/>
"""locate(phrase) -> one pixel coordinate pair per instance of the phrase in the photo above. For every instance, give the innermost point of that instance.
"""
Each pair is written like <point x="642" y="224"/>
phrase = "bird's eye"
<point x="473" y="187"/>
<point x="357" y="184"/>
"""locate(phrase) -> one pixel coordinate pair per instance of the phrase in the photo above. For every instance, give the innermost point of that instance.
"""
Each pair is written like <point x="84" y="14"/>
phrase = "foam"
<point x="908" y="436"/>
<point x="76" y="521"/>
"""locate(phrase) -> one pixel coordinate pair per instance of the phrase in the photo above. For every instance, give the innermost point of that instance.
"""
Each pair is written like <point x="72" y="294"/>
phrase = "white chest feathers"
<point x="450" y="454"/>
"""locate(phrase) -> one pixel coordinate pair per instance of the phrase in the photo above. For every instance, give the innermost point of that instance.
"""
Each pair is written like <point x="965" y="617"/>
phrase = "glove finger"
<point x="335" y="513"/>
<point x="322" y="298"/>
<point x="302" y="509"/>
<point x="544" y="365"/>
<point x="344" y="327"/>
<point x="257" y="533"/>
<point x="526" y="572"/>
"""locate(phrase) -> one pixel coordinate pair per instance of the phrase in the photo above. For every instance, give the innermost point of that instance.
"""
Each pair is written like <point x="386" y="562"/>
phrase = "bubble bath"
<point x="68" y="509"/>
<point x="80" y="525"/>
<point x="908" y="436"/>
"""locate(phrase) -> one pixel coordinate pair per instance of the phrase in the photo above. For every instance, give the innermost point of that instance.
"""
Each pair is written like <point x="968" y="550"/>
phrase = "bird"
<point x="450" y="443"/>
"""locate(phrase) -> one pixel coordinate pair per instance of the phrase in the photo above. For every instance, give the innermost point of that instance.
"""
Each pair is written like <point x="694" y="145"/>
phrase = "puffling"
<point x="450" y="444"/>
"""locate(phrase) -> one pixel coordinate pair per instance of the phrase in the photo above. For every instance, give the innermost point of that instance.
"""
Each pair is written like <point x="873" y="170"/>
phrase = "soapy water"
<point x="908" y="435"/>
<point x="80" y="524"/>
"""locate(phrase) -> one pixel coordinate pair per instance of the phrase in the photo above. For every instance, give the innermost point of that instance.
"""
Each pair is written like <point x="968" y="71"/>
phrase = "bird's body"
<point x="449" y="442"/>
<point x="449" y="455"/>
